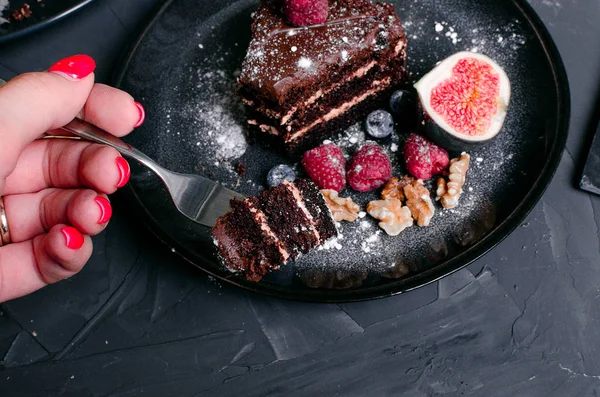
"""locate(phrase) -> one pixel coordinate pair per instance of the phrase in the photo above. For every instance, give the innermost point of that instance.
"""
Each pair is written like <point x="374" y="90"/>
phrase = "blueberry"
<point x="280" y="173"/>
<point x="403" y="104"/>
<point x="380" y="124"/>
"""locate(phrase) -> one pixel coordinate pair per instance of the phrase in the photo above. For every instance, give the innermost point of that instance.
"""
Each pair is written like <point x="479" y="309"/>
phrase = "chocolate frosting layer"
<point x="283" y="59"/>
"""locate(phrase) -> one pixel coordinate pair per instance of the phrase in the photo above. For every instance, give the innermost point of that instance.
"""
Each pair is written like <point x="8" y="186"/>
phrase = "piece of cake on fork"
<point x="261" y="233"/>
<point x="302" y="84"/>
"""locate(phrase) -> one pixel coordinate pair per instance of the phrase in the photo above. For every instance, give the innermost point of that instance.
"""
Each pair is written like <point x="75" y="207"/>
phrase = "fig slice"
<point x="464" y="100"/>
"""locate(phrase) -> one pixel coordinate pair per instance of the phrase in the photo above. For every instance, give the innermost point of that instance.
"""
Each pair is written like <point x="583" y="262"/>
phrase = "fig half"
<point x="464" y="100"/>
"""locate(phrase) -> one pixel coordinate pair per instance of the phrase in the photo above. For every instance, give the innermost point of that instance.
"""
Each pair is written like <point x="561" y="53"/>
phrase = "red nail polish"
<point x="105" y="209"/>
<point x="73" y="237"/>
<point x="76" y="67"/>
<point x="124" y="172"/>
<point x="142" y="114"/>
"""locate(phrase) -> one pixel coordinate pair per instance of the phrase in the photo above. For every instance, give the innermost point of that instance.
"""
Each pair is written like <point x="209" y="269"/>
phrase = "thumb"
<point x="34" y="103"/>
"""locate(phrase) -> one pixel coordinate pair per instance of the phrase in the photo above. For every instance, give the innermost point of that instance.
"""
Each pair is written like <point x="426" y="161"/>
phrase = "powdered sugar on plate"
<point x="215" y="116"/>
<point x="457" y="30"/>
<point x="3" y="6"/>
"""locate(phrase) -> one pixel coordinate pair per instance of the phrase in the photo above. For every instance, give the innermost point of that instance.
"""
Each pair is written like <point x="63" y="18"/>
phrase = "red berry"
<point x="326" y="166"/>
<point x="423" y="158"/>
<point x="369" y="168"/>
<point x="439" y="159"/>
<point x="305" y="12"/>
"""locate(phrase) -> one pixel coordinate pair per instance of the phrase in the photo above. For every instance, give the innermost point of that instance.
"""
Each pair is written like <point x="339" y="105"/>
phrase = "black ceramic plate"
<point x="43" y="13"/>
<point x="183" y="69"/>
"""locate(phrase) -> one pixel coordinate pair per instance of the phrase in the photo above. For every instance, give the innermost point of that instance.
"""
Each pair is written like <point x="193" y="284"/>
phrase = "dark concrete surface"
<point x="521" y="321"/>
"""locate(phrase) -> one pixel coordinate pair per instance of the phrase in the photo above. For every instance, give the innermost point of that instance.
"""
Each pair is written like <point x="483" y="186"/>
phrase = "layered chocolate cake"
<point x="300" y="85"/>
<point x="261" y="233"/>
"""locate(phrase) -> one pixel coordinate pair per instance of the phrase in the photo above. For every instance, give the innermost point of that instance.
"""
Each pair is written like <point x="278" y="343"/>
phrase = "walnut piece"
<point x="419" y="202"/>
<point x="456" y="181"/>
<point x="394" y="188"/>
<point x="393" y="216"/>
<point x="343" y="209"/>
<point x="441" y="188"/>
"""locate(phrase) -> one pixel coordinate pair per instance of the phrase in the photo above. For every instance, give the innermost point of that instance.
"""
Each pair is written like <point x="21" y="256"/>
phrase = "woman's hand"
<point x="55" y="190"/>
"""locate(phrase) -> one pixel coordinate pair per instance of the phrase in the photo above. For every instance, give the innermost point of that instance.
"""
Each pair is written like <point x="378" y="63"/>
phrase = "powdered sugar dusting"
<point x="3" y="6"/>
<point x="225" y="135"/>
<point x="215" y="116"/>
<point x="461" y="31"/>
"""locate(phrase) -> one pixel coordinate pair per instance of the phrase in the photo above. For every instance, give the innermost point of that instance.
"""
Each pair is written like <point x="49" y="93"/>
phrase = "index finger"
<point x="34" y="103"/>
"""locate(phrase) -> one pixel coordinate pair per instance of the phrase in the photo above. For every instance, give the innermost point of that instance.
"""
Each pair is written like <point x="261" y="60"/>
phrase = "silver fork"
<point x="196" y="197"/>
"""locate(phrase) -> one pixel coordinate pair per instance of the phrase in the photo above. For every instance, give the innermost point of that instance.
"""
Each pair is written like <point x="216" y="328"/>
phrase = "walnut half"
<point x="342" y="209"/>
<point x="450" y="192"/>
<point x="393" y="216"/>
<point x="394" y="188"/>
<point x="441" y="188"/>
<point x="419" y="202"/>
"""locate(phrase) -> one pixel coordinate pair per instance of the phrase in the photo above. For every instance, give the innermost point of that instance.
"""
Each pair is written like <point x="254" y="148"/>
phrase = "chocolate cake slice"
<point x="245" y="241"/>
<point x="317" y="207"/>
<point x="261" y="233"/>
<point x="300" y="85"/>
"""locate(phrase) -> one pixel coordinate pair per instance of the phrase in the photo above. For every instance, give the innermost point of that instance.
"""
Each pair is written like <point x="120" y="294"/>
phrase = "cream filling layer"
<point x="298" y="197"/>
<point x="260" y="217"/>
<point x="378" y="85"/>
<point x="360" y="72"/>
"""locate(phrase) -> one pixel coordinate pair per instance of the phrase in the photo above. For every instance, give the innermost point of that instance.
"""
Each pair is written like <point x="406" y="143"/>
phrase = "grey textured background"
<point x="521" y="321"/>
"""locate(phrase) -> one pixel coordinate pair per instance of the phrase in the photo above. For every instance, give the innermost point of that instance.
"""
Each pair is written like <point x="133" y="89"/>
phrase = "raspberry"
<point x="423" y="158"/>
<point x="305" y="12"/>
<point x="439" y="159"/>
<point x="369" y="168"/>
<point x="326" y="166"/>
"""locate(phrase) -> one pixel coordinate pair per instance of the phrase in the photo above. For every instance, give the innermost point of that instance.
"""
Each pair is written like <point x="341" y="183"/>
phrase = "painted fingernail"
<point x="124" y="172"/>
<point x="73" y="237"/>
<point x="142" y="114"/>
<point x="75" y="67"/>
<point x="105" y="209"/>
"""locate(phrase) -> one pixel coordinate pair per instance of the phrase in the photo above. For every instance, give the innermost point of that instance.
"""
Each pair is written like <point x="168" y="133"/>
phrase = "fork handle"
<point x="90" y="132"/>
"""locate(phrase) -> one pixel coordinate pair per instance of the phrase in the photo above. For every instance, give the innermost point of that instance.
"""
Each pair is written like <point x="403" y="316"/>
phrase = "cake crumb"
<point x="240" y="168"/>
